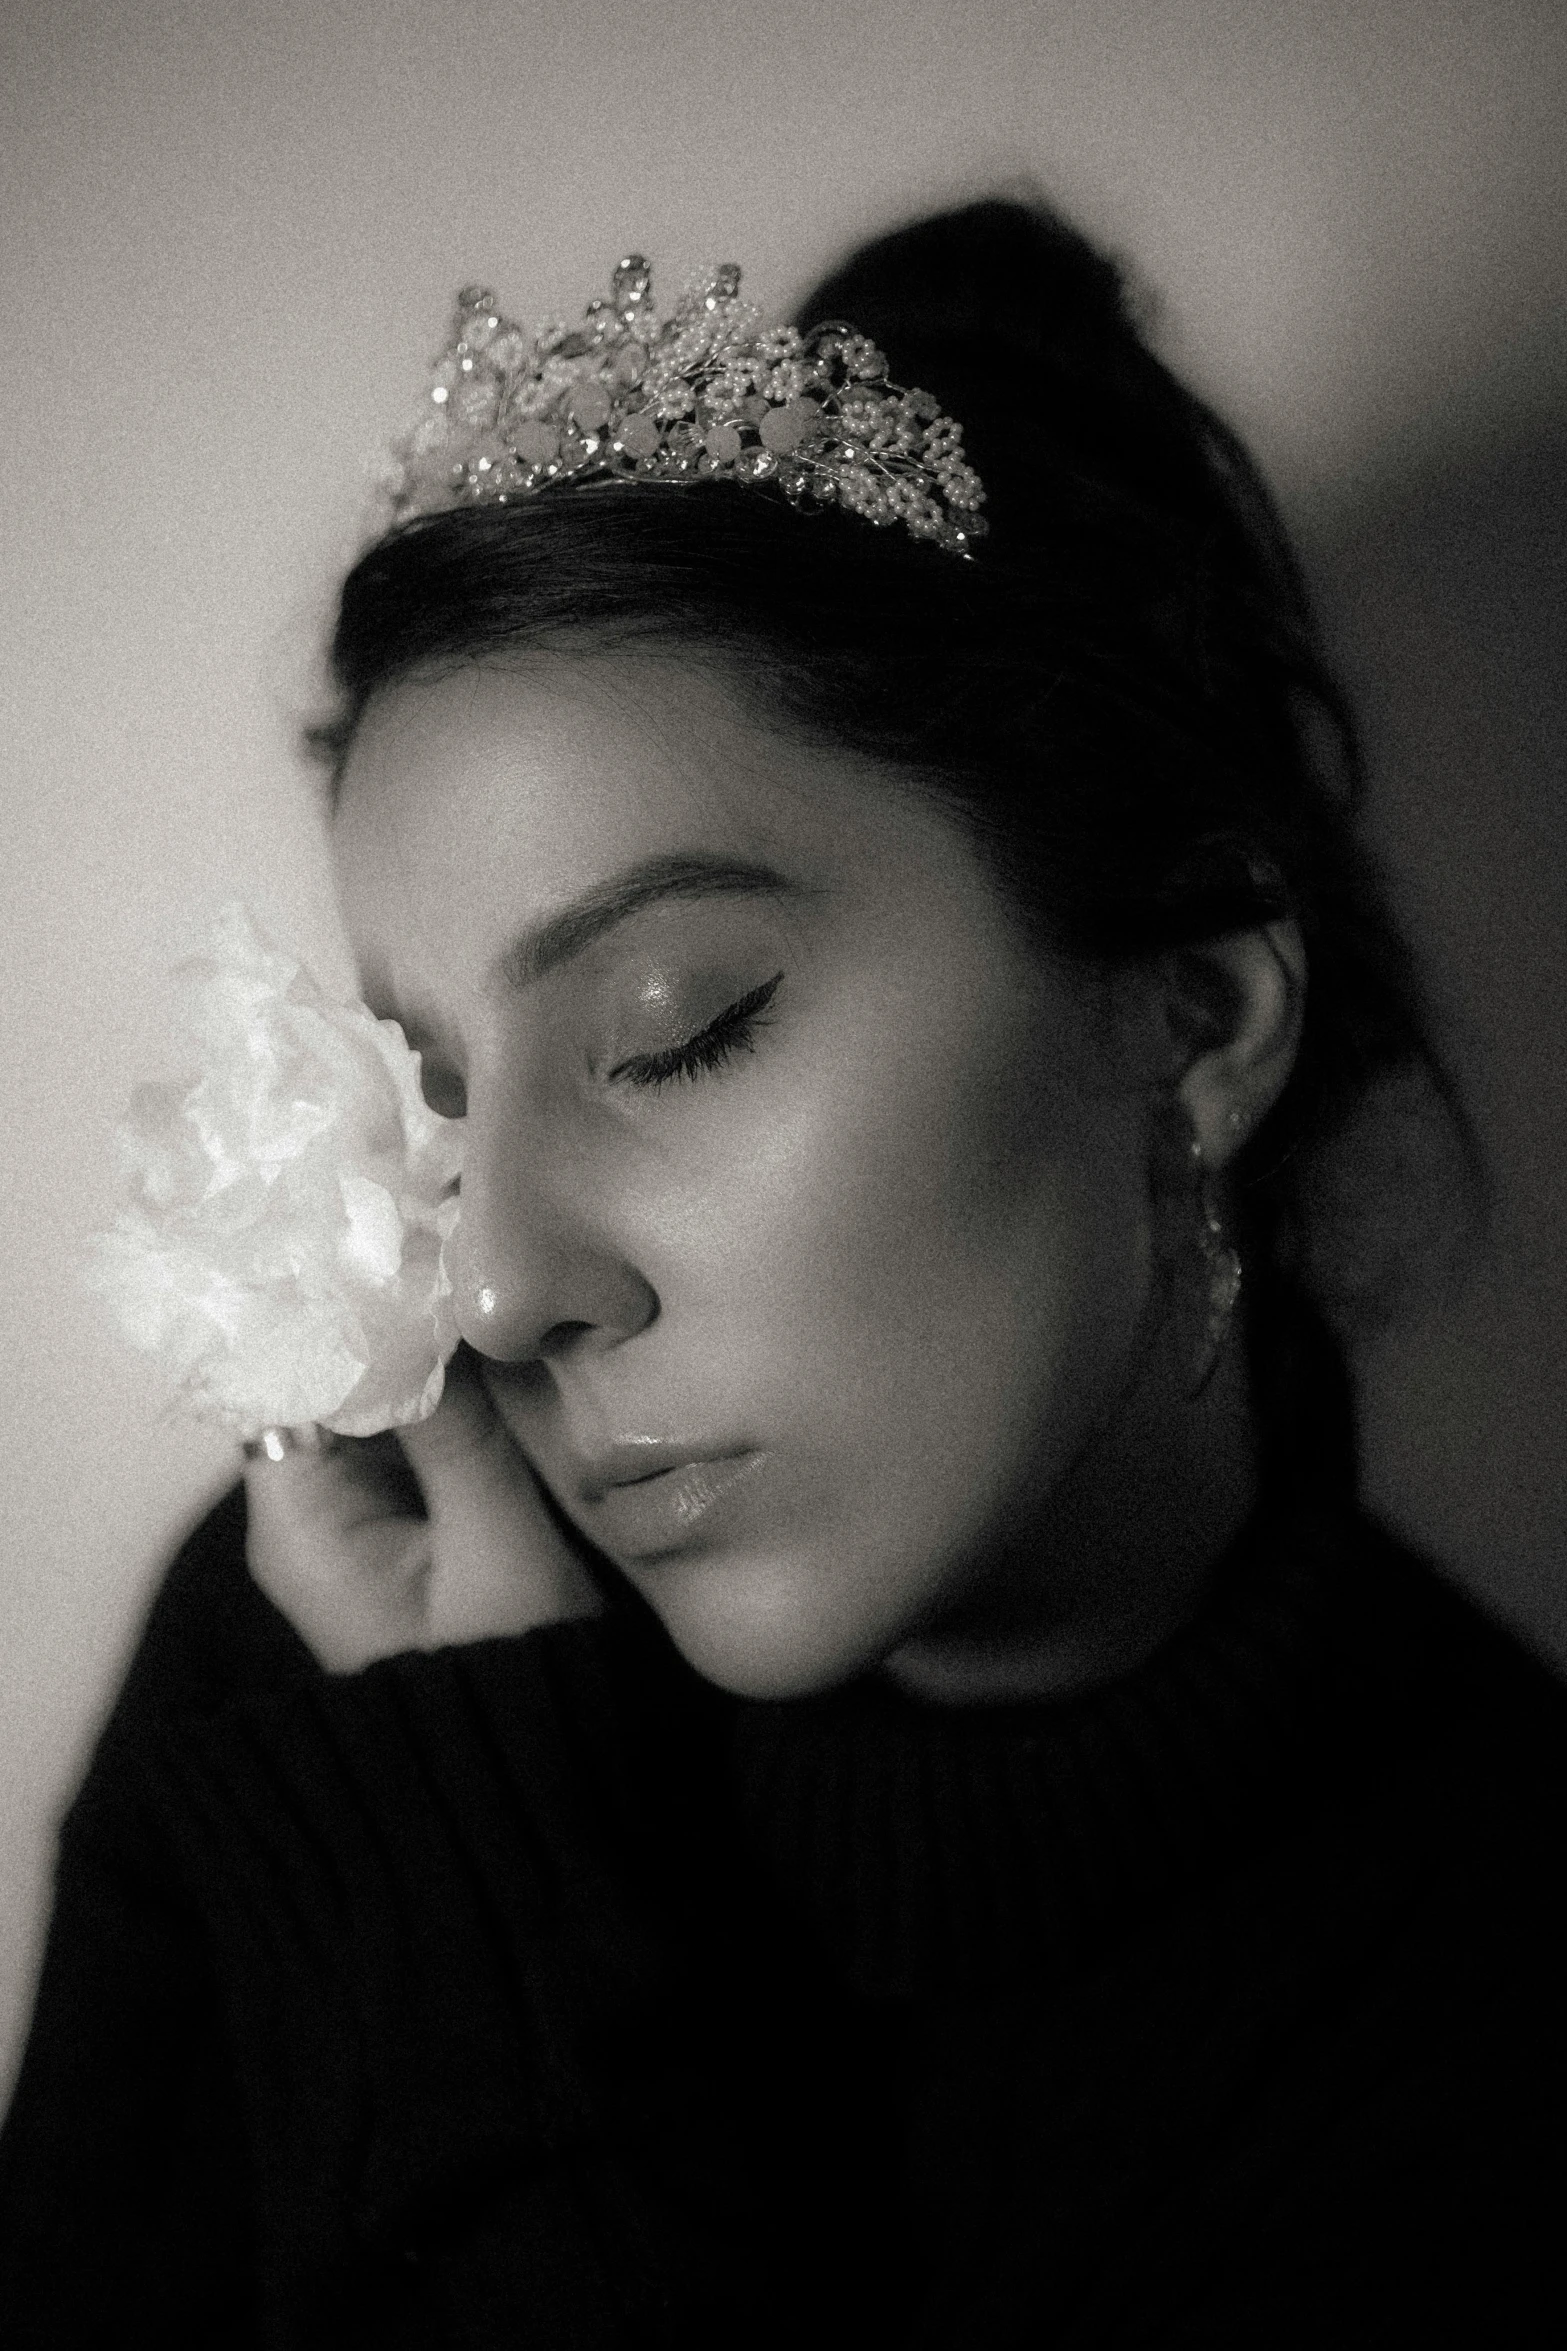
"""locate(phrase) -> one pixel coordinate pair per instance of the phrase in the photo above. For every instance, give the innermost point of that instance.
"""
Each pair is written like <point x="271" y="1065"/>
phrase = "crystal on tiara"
<point x="703" y="393"/>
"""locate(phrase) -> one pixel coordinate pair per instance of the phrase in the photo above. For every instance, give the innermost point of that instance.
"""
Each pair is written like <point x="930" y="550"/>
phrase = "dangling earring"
<point x="1221" y="1273"/>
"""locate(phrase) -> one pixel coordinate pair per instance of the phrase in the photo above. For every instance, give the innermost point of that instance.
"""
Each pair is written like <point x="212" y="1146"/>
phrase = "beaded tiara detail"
<point x="704" y="393"/>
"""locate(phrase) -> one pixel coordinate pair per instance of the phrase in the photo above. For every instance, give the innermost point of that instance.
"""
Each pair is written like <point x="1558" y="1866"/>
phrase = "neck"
<point x="1119" y="1560"/>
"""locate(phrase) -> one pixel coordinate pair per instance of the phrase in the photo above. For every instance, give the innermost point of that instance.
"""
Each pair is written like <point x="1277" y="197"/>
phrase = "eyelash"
<point x="731" y="1033"/>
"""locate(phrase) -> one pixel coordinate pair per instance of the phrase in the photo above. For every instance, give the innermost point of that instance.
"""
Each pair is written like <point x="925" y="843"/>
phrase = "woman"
<point x="864" y="1774"/>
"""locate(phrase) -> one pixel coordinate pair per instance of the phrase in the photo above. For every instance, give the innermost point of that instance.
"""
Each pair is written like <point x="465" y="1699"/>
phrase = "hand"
<point x="339" y="1543"/>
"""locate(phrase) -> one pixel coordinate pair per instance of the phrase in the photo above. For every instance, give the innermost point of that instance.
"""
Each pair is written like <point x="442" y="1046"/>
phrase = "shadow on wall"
<point x="1445" y="594"/>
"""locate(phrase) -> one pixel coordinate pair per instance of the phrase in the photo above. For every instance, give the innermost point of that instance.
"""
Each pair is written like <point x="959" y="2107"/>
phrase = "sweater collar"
<point x="926" y="1849"/>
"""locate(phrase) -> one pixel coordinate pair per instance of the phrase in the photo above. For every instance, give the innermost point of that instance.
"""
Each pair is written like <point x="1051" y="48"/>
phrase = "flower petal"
<point x="282" y="1246"/>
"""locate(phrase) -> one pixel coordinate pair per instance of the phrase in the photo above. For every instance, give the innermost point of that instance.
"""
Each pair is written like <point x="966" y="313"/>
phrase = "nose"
<point x="531" y="1266"/>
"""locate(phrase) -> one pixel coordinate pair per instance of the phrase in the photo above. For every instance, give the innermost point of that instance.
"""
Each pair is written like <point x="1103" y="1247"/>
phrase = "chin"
<point x="759" y="1630"/>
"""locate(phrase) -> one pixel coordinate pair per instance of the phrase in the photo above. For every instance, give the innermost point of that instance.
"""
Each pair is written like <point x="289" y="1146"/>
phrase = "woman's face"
<point x="804" y="1225"/>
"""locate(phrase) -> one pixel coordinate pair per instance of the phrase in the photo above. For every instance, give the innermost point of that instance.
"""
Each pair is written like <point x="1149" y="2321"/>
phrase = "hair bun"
<point x="1025" y="334"/>
<point x="991" y="279"/>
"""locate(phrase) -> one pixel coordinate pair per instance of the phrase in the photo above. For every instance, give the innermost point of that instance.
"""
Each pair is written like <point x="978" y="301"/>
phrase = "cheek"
<point x="924" y="1247"/>
<point x="924" y="1290"/>
<point x="987" y="1289"/>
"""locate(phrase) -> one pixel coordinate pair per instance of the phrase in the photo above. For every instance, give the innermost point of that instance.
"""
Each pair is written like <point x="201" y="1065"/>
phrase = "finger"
<point x="468" y="1468"/>
<point x="337" y="1540"/>
<point x="500" y="1559"/>
<point x="338" y="1484"/>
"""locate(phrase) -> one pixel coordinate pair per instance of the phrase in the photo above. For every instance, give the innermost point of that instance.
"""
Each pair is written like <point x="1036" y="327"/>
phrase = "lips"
<point x="644" y="1502"/>
<point x="641" y="1498"/>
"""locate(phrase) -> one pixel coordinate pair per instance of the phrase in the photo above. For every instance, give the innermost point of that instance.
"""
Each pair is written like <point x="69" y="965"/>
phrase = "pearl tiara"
<point x="704" y="393"/>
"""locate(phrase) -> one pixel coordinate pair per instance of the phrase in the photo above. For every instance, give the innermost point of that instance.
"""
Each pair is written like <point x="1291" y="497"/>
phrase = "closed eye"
<point x="731" y="1033"/>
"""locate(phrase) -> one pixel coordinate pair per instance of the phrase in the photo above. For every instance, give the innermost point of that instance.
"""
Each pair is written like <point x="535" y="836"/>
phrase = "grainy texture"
<point x="536" y="1991"/>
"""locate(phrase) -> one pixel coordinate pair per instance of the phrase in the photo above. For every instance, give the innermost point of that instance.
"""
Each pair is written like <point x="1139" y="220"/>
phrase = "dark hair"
<point x="1123" y="696"/>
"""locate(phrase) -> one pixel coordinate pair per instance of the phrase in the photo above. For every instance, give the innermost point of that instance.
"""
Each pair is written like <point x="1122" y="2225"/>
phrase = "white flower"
<point x="282" y="1245"/>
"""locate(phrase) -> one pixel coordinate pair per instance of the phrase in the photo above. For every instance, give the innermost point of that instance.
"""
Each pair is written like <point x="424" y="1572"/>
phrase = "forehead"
<point x="480" y="802"/>
<point x="551" y="767"/>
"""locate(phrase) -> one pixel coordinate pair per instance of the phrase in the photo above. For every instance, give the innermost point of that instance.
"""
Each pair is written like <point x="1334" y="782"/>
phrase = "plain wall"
<point x="231" y="236"/>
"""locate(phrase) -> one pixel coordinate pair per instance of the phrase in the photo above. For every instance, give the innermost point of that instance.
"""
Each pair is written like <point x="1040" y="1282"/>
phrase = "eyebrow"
<point x="686" y="874"/>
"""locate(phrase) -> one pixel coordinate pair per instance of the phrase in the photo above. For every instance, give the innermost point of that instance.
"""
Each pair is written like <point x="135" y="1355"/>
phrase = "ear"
<point x="1233" y="1009"/>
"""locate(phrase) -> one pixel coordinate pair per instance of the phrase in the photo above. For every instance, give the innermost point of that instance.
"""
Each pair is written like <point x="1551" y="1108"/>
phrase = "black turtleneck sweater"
<point x="533" y="1992"/>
